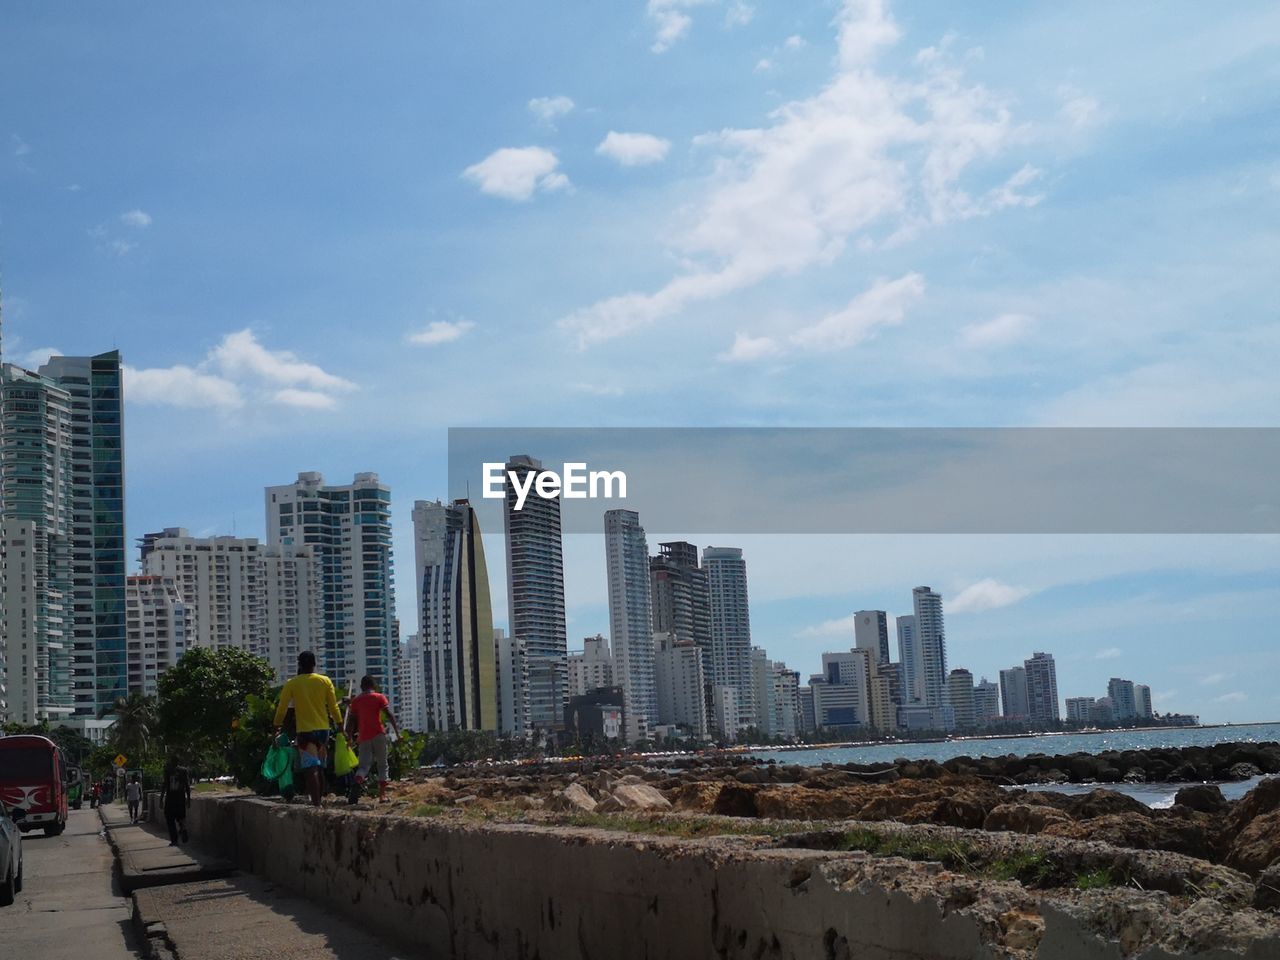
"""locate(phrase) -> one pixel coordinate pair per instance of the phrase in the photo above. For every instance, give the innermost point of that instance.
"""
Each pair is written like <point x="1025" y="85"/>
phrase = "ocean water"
<point x="1153" y="794"/>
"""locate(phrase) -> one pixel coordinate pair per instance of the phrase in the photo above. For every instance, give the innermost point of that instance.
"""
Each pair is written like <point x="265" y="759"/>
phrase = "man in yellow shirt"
<point x="314" y="705"/>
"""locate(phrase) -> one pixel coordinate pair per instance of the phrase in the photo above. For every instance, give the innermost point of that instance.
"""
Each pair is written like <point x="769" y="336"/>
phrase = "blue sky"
<point x="321" y="236"/>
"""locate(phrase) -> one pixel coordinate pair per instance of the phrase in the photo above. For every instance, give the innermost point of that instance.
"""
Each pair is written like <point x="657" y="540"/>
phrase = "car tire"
<point x="17" y="884"/>
<point x="8" y="891"/>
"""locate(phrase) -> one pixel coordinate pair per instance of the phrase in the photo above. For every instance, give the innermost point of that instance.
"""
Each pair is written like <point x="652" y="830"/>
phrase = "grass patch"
<point x="426" y="810"/>
<point x="1031" y="868"/>
<point x="951" y="853"/>
<point x="1095" y="880"/>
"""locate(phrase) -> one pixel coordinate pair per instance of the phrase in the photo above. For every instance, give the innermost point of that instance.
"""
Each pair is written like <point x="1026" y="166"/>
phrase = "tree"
<point x="133" y="732"/>
<point x="203" y="696"/>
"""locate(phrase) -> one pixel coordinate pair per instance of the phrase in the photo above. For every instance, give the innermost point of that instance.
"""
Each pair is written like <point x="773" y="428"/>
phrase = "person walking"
<point x="133" y="794"/>
<point x="365" y="716"/>
<point x="175" y="797"/>
<point x="315" y="704"/>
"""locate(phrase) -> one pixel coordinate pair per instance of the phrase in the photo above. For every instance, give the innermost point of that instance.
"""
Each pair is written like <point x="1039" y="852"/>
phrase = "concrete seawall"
<point x="476" y="891"/>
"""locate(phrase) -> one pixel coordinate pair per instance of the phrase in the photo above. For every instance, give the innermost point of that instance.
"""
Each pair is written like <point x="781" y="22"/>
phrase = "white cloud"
<point x="1215" y="678"/>
<point x="986" y="595"/>
<point x="550" y="109"/>
<point x="20" y="147"/>
<point x="514" y="173"/>
<point x="671" y="21"/>
<point x="747" y="349"/>
<point x="238" y="370"/>
<point x="883" y="305"/>
<point x="794" y="42"/>
<point x="31" y="359"/>
<point x="739" y="14"/>
<point x="870" y="158"/>
<point x="1236" y="696"/>
<point x="764" y="65"/>
<point x="241" y="354"/>
<point x="305" y="399"/>
<point x="997" y="332"/>
<point x="120" y="247"/>
<point x="598" y="389"/>
<point x="841" y="627"/>
<point x="440" y="331"/>
<point x="1110" y="653"/>
<point x="633" y="149"/>
<point x="181" y="386"/>
<point x="136" y="218"/>
<point x="1079" y="109"/>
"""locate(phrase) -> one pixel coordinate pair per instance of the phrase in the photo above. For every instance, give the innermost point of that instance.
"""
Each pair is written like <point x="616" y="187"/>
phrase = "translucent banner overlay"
<point x="890" y="480"/>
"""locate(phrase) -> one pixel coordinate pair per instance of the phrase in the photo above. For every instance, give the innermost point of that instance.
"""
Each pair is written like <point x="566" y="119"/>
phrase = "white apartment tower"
<point x="631" y="619"/>
<point x="155" y="630"/>
<point x="1042" y="688"/>
<point x="933" y="644"/>
<point x="291" y="610"/>
<point x="592" y="668"/>
<point x="219" y="580"/>
<point x="871" y="632"/>
<point x="513" y="685"/>
<point x="348" y="528"/>
<point x="1013" y="693"/>
<point x="911" y="658"/>
<point x="730" y="626"/>
<point x="679" y="684"/>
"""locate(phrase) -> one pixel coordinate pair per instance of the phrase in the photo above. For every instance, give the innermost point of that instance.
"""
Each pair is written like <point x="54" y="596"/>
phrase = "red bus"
<point x="31" y="778"/>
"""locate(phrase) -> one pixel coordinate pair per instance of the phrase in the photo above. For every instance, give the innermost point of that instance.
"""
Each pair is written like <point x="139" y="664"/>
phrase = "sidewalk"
<point x="188" y="906"/>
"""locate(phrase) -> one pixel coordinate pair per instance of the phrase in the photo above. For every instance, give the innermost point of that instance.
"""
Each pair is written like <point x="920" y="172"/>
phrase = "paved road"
<point x="69" y="908"/>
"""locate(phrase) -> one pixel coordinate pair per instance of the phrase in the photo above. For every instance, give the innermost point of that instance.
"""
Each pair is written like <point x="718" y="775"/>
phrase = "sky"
<point x="322" y="235"/>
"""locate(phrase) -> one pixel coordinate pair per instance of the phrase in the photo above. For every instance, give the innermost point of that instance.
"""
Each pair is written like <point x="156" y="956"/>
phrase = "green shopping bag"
<point x="344" y="758"/>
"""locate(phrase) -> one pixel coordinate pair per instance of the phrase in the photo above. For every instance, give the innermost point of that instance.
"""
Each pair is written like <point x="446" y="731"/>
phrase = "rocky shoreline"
<point x="981" y="796"/>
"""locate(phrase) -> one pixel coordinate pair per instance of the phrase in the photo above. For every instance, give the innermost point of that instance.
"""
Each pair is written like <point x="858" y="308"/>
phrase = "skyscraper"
<point x="1013" y="693"/>
<point x="348" y="529"/>
<point x="1122" y="694"/>
<point x="99" y="668"/>
<point x="986" y="702"/>
<point x="730" y="626"/>
<point x="631" y="619"/>
<point x="291" y="608"/>
<point x="1142" y="698"/>
<point x="220" y="582"/>
<point x="455" y="618"/>
<point x="960" y="697"/>
<point x="871" y="632"/>
<point x="933" y="644"/>
<point x="911" y="657"/>
<point x="36" y="520"/>
<point x="681" y="598"/>
<point x="680" y="683"/>
<point x="155" y="630"/>
<point x="513" y="685"/>
<point x="535" y="596"/>
<point x="1042" y="688"/>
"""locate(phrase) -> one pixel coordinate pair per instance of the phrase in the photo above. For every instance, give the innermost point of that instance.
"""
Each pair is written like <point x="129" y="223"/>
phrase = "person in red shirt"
<point x="364" y="724"/>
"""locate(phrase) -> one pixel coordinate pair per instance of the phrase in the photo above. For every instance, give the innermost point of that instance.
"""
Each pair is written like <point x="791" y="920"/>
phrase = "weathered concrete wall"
<point x="446" y="888"/>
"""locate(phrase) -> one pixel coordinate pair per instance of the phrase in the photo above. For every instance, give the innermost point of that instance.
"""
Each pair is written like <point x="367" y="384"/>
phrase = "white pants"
<point x="374" y="751"/>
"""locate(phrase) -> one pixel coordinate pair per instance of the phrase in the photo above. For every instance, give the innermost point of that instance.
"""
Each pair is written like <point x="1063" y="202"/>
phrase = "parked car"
<point x="31" y="778"/>
<point x="10" y="854"/>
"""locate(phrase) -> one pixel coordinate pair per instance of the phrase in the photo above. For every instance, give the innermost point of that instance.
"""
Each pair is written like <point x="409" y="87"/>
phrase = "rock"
<point x="1022" y="931"/>
<point x="1183" y="773"/>
<point x="1109" y="774"/>
<point x="1264" y="798"/>
<point x="1258" y="845"/>
<point x="1195" y="838"/>
<point x="1242" y="771"/>
<point x="696" y="797"/>
<point x="573" y="799"/>
<point x="1101" y="803"/>
<point x="640" y="796"/>
<point x="524" y="802"/>
<point x="1135" y="775"/>
<point x="1204" y="797"/>
<point x="1267" y="894"/>
<point x="604" y="782"/>
<point x="1023" y="818"/>
<point x="737" y="800"/>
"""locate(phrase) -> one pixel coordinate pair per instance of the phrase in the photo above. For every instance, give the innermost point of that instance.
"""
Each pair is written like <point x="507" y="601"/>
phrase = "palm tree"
<point x="135" y="724"/>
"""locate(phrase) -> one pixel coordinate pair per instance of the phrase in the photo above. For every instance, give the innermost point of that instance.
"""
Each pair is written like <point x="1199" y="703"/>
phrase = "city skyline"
<point x="382" y="275"/>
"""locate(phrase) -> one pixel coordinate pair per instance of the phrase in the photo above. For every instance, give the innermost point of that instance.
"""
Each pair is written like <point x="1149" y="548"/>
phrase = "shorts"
<point x="319" y="737"/>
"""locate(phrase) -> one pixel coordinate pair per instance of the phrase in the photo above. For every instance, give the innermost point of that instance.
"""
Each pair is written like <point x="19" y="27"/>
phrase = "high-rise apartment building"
<point x="95" y="388"/>
<point x="1013" y="693"/>
<point x="155" y="630"/>
<point x="513" y="685"/>
<point x="411" y="708"/>
<point x="1042" y="688"/>
<point x="455" y="617"/>
<point x="535" y="595"/>
<point x="1080" y="709"/>
<point x="631" y="619"/>
<point x="592" y="668"/>
<point x="986" y="702"/>
<point x="762" y="689"/>
<point x="842" y="693"/>
<point x="911" y="657"/>
<point x="1142" y="700"/>
<point x="871" y="632"/>
<point x="681" y="598"/>
<point x="933" y="644"/>
<point x="348" y="528"/>
<point x="724" y="708"/>
<point x="37" y="517"/>
<point x="1122" y="695"/>
<point x="220" y="581"/>
<point x="730" y="625"/>
<point x="680" y="684"/>
<point x="960" y="697"/>
<point x="291" y="607"/>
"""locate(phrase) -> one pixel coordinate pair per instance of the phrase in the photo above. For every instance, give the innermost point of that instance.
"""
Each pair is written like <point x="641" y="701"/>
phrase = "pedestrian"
<point x="95" y="794"/>
<point x="315" y="704"/>
<point x="175" y="797"/>
<point x="133" y="794"/>
<point x="364" y="721"/>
